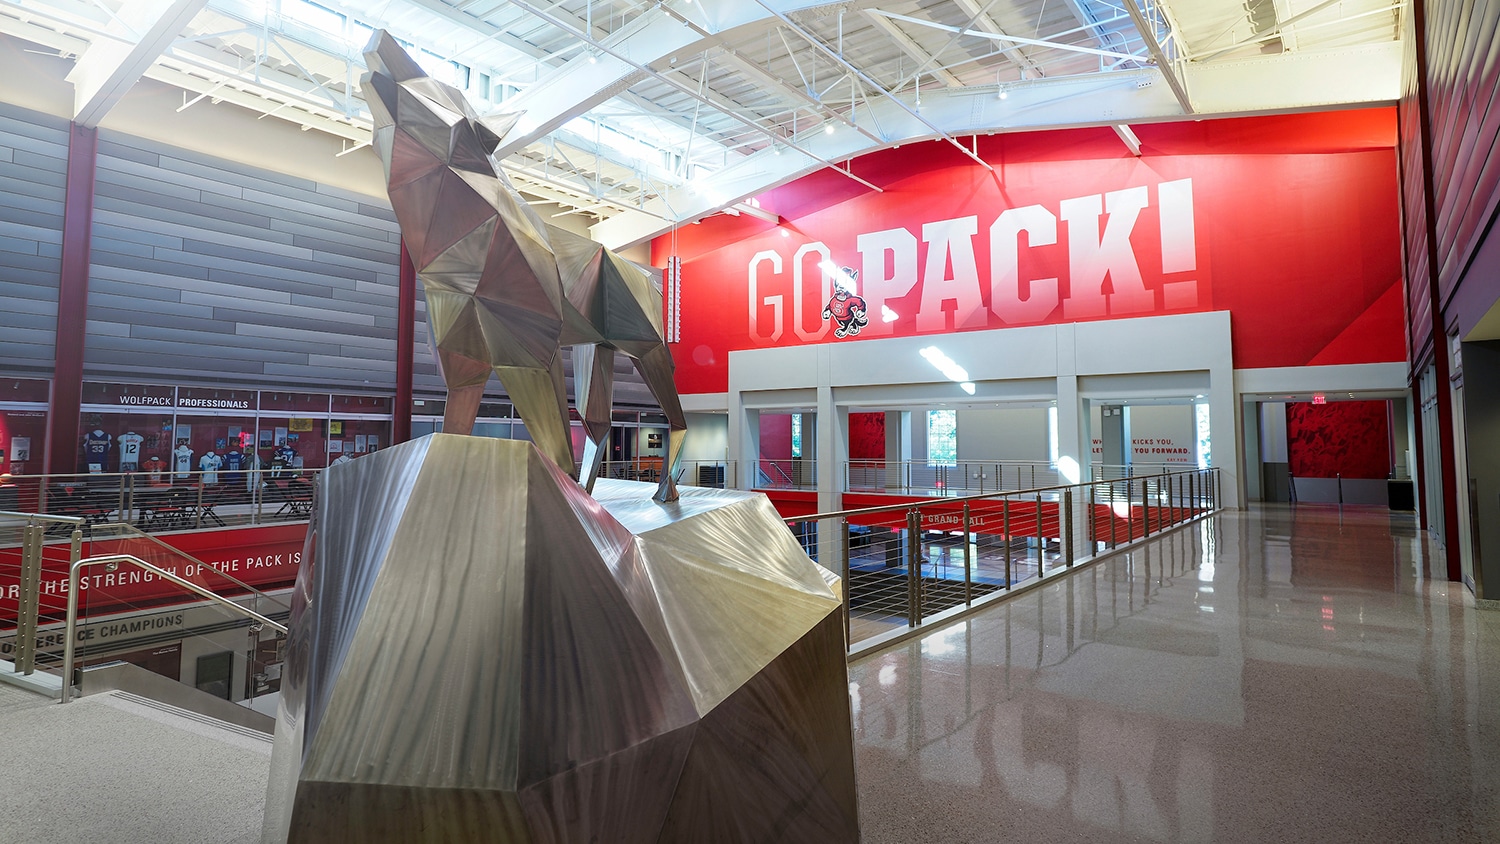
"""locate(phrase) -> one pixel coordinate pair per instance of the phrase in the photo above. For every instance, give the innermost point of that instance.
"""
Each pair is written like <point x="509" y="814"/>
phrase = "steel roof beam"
<point x="981" y="18"/>
<point x="862" y="76"/>
<point x="1164" y="62"/>
<point x="1367" y="74"/>
<point x="108" y="68"/>
<point x="910" y="47"/>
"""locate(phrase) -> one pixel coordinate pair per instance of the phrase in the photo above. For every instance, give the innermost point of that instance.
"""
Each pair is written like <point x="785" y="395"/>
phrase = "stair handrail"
<point x="137" y="533"/>
<point x="70" y="630"/>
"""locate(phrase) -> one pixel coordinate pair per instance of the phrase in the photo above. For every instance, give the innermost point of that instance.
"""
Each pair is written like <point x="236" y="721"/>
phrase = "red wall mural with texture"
<point x="1348" y="438"/>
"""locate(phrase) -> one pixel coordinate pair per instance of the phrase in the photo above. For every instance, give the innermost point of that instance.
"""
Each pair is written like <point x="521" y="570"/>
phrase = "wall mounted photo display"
<point x="280" y="436"/>
<point x="349" y="445"/>
<point x="184" y="433"/>
<point x="335" y="446"/>
<point x="359" y="442"/>
<point x="266" y="440"/>
<point x="372" y="442"/>
<point x="336" y="428"/>
<point x="20" y="449"/>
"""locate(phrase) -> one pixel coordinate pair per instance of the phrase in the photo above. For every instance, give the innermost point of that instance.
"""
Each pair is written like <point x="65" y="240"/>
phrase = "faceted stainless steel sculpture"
<point x="480" y="651"/>
<point x="505" y="291"/>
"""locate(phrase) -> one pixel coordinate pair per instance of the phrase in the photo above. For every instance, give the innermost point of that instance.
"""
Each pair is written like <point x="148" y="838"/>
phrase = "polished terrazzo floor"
<point x="1274" y="674"/>
<point x="1267" y="675"/>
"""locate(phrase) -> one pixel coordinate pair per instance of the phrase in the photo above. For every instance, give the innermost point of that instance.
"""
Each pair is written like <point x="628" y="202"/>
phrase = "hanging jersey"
<point x="233" y="462"/>
<point x="130" y="451"/>
<point x="209" y="464"/>
<point x="154" y="466"/>
<point x="96" y="450"/>
<point x="182" y="461"/>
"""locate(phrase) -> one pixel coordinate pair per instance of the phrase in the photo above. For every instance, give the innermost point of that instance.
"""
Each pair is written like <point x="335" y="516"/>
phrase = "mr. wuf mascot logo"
<point x="846" y="308"/>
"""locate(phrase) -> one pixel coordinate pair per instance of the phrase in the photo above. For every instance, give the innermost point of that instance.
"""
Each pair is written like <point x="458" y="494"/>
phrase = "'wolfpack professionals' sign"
<point x="951" y="290"/>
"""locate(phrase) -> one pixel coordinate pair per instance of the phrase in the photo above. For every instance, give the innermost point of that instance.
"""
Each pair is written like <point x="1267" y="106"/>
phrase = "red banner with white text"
<point x="1288" y="222"/>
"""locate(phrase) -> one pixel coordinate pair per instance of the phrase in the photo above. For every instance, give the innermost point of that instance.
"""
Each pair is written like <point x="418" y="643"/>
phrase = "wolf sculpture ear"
<point x="384" y="55"/>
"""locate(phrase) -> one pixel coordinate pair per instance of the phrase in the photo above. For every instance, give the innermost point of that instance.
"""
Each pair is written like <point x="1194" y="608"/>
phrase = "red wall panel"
<point x="1344" y="438"/>
<point x="1263" y="217"/>
<point x="867" y="436"/>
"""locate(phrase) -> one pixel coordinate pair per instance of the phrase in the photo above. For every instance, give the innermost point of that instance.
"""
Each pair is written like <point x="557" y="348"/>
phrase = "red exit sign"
<point x="1320" y="399"/>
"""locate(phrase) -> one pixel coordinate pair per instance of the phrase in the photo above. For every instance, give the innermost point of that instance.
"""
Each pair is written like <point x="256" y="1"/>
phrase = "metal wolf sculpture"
<point x="505" y="291"/>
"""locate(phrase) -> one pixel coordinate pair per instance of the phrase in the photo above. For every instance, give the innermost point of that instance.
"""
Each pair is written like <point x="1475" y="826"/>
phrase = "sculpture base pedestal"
<point x="481" y="651"/>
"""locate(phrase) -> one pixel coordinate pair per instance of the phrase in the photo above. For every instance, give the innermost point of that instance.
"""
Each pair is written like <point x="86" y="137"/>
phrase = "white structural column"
<point x="108" y="69"/>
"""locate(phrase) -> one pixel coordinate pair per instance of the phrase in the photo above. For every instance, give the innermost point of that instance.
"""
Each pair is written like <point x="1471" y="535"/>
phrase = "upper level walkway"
<point x="1267" y="675"/>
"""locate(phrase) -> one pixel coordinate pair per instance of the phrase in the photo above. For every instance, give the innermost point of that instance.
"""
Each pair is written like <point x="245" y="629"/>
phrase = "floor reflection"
<point x="1266" y="675"/>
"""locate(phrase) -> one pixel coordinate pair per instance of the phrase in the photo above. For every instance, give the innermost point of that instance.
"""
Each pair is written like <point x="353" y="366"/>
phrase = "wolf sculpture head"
<point x="506" y="291"/>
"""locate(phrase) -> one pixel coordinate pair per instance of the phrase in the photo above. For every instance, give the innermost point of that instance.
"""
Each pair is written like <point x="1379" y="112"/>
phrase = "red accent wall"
<point x="867" y="436"/>
<point x="1348" y="438"/>
<point x="776" y="436"/>
<point x="1291" y="214"/>
<point x="266" y="557"/>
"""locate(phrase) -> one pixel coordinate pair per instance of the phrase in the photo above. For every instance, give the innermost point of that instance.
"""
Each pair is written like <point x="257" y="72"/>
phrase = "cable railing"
<point x="903" y="564"/>
<point x="714" y="474"/>
<point x="166" y="501"/>
<point x="964" y="477"/>
<point x="786" y="473"/>
<point x="57" y="617"/>
<point x="1117" y="471"/>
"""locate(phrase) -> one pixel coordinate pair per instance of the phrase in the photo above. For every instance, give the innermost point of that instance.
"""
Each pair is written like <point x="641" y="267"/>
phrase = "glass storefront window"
<point x="213" y="398"/>
<point x="24" y="390"/>
<point x="127" y="442"/>
<point x="23" y="436"/>
<point x="351" y="438"/>
<point x="128" y="395"/>
<point x="213" y="450"/>
<point x="289" y="443"/>
<point x="362" y="404"/>
<point x="310" y="403"/>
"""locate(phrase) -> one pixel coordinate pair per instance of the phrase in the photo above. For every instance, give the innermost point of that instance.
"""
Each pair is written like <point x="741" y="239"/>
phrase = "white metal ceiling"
<point x="648" y="114"/>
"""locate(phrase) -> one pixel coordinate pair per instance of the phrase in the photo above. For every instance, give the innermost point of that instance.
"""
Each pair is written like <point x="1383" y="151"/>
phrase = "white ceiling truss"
<point x="646" y="115"/>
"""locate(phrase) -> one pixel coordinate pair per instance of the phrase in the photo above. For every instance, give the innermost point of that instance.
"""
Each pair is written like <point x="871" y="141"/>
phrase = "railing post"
<point x="844" y="541"/>
<point x="1066" y="514"/>
<point x="1041" y="544"/>
<point x="30" y="596"/>
<point x="1113" y="541"/>
<point x="1005" y="529"/>
<point x="1145" y="507"/>
<point x="70" y="631"/>
<point x="1093" y="517"/>
<point x="968" y="560"/>
<point x="913" y="567"/>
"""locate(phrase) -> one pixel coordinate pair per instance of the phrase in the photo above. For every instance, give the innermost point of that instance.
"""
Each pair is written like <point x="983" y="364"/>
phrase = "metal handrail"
<point x="115" y="497"/>
<point x="43" y="517"/>
<point x="70" y="630"/>
<point x="984" y="496"/>
<point x="137" y="533"/>
<point x="1166" y="500"/>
